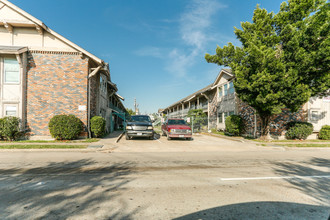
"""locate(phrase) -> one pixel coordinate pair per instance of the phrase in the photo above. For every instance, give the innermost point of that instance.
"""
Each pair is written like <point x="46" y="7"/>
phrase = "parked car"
<point x="139" y="126"/>
<point x="176" y="128"/>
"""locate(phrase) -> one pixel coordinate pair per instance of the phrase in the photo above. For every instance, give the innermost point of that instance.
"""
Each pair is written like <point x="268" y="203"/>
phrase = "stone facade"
<point x="278" y="123"/>
<point x="56" y="84"/>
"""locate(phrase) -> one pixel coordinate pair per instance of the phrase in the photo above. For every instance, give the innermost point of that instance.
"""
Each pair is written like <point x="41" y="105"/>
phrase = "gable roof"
<point x="40" y="24"/>
<point x="221" y="73"/>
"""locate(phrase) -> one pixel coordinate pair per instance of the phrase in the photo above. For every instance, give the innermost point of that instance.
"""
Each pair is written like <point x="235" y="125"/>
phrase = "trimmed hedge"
<point x="234" y="125"/>
<point x="9" y="128"/>
<point x="325" y="132"/>
<point x="98" y="126"/>
<point x="65" y="127"/>
<point x="299" y="130"/>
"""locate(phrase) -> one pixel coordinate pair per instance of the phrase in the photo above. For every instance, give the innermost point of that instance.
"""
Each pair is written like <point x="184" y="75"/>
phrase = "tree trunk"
<point x="265" y="120"/>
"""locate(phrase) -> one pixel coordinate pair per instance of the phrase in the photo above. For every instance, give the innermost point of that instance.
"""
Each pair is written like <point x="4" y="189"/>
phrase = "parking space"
<point x="200" y="143"/>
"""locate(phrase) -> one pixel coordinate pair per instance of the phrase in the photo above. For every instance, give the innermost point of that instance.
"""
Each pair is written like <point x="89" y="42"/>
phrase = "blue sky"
<point x="155" y="48"/>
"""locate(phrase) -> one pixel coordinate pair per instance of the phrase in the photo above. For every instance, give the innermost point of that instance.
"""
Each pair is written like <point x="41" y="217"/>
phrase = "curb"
<point x="120" y="136"/>
<point x="224" y="137"/>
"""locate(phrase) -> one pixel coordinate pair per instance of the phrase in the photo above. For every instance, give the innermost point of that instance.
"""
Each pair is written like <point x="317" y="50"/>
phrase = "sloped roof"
<point x="12" y="49"/>
<point x="41" y="24"/>
<point x="223" y="71"/>
<point x="207" y="88"/>
<point x="191" y="96"/>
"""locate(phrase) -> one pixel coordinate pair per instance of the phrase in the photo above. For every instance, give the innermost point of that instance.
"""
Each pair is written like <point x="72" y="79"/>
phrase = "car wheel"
<point x="168" y="138"/>
<point x="127" y="137"/>
<point x="151" y="137"/>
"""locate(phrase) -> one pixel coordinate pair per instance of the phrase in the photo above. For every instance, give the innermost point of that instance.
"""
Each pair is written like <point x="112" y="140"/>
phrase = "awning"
<point x="12" y="50"/>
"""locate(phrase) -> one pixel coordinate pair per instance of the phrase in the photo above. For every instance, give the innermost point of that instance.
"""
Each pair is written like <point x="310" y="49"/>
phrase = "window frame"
<point x="4" y="72"/>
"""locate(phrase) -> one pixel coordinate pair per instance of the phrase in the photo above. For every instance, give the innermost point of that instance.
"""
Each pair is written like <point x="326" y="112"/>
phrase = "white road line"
<point x="274" y="178"/>
<point x="158" y="140"/>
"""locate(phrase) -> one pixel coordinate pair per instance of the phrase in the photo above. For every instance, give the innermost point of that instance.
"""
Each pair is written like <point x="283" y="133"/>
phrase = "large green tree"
<point x="283" y="59"/>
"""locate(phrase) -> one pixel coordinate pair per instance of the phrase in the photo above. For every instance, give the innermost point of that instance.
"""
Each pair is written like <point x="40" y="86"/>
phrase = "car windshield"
<point x="176" y="122"/>
<point x="140" y="118"/>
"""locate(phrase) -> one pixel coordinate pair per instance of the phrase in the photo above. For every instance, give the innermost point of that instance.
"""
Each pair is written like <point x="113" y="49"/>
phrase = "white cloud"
<point x="194" y="23"/>
<point x="149" y="51"/>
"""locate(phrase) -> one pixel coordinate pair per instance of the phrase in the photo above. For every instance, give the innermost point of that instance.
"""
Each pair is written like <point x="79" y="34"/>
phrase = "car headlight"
<point x="173" y="130"/>
<point x="150" y="128"/>
<point x="188" y="131"/>
<point x="128" y="127"/>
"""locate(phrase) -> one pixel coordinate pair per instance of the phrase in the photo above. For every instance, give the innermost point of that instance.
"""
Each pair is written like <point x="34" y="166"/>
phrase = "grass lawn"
<point x="40" y="146"/>
<point x="293" y="141"/>
<point x="305" y="145"/>
<point x="89" y="140"/>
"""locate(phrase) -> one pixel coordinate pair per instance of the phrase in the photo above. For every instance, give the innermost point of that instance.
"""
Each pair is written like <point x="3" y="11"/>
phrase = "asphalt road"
<point x="184" y="180"/>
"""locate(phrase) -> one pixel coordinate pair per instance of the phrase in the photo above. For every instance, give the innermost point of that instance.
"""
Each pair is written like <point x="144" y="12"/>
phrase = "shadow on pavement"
<point x="318" y="188"/>
<point x="65" y="190"/>
<point x="261" y="211"/>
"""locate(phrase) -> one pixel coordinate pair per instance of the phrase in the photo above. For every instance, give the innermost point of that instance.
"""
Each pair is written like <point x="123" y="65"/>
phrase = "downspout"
<point x="89" y="109"/>
<point x="255" y="124"/>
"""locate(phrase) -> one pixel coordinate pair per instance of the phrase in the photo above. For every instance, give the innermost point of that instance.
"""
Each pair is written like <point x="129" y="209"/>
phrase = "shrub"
<point x="300" y="130"/>
<point x="234" y="125"/>
<point x="98" y="126"/>
<point x="325" y="132"/>
<point x="294" y="123"/>
<point x="65" y="127"/>
<point x="9" y="128"/>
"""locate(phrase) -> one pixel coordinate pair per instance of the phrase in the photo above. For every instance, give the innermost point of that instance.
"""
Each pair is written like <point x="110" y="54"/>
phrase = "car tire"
<point x="152" y="137"/>
<point x="168" y="138"/>
<point x="127" y="137"/>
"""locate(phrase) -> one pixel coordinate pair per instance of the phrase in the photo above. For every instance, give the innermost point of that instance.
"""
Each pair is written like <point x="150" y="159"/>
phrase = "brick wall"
<point x="56" y="84"/>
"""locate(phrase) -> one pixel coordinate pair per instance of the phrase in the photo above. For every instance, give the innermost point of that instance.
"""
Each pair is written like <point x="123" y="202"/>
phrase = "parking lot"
<point x="200" y="143"/>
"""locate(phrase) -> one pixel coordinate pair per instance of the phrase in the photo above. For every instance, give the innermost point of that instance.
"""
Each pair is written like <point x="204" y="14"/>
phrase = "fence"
<point x="201" y="124"/>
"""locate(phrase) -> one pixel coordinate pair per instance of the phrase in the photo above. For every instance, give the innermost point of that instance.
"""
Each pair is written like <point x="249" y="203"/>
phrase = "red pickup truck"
<point x="176" y="128"/>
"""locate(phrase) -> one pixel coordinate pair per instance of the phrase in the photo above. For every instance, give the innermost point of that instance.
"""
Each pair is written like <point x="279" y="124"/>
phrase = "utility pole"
<point x="136" y="107"/>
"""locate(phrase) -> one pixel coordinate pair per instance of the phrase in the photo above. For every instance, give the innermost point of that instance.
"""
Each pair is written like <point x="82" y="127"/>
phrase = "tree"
<point x="198" y="118"/>
<point x="283" y="60"/>
<point x="130" y="111"/>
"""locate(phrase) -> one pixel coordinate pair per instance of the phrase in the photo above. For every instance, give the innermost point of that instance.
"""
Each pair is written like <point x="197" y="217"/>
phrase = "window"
<point x="11" y="70"/>
<point x="314" y="116"/>
<point x="231" y="113"/>
<point x="220" y="117"/>
<point x="11" y="111"/>
<point x="103" y="84"/>
<point x="220" y="91"/>
<point x="231" y="88"/>
<point x="226" y="89"/>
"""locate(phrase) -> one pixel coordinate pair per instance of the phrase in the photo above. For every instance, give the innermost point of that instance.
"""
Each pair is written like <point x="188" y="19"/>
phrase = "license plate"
<point x="139" y="134"/>
<point x="181" y="136"/>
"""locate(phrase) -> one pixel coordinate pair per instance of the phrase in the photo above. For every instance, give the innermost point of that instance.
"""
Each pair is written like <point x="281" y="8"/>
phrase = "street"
<point x="143" y="179"/>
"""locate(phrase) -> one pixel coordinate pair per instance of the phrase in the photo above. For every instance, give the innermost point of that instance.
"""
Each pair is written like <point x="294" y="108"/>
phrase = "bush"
<point x="294" y="123"/>
<point x="234" y="125"/>
<point x="9" y="128"/>
<point x="65" y="127"/>
<point x="325" y="132"/>
<point x="98" y="126"/>
<point x="299" y="130"/>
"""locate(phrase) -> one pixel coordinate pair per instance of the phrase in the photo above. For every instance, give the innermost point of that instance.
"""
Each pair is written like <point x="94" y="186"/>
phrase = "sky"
<point x="155" y="48"/>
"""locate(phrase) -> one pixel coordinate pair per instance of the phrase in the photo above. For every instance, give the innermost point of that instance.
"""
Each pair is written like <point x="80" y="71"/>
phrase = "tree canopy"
<point x="283" y="59"/>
